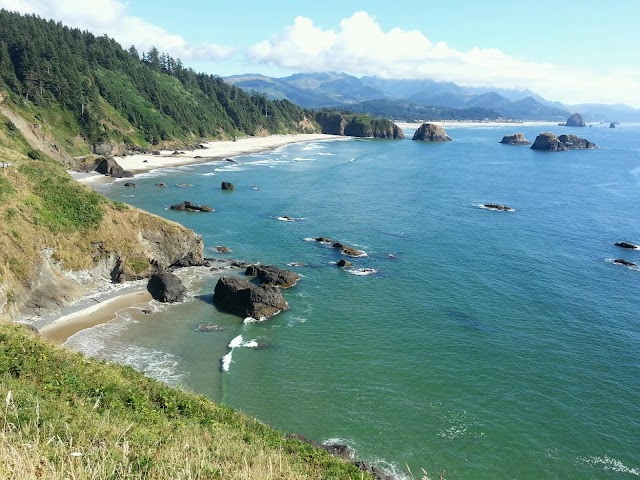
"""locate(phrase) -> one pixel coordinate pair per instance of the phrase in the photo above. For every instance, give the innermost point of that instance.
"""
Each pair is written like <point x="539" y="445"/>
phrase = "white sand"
<point x="216" y="150"/>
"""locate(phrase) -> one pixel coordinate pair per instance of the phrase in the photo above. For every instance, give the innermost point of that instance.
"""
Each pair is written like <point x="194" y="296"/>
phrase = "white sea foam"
<point x="236" y="342"/>
<point x="210" y="174"/>
<point x="610" y="464"/>
<point x="326" y="154"/>
<point x="101" y="342"/>
<point x="250" y="344"/>
<point x="313" y="146"/>
<point x="302" y="159"/>
<point x="226" y="361"/>
<point x="362" y="272"/>
<point x="291" y="219"/>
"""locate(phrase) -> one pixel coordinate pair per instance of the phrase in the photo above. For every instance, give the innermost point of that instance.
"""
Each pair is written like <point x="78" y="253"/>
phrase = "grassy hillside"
<point x="66" y="416"/>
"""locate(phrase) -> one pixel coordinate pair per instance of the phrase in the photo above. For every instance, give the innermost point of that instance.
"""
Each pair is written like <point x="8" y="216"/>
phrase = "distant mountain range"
<point x="407" y="99"/>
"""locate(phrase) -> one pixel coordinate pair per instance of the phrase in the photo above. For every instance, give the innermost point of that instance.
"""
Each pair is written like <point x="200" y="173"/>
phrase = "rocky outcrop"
<point x="333" y="123"/>
<point x="612" y="125"/>
<point x="430" y="132"/>
<point x="191" y="207"/>
<point x="495" y="206"/>
<point x="515" y="139"/>
<point x="549" y="142"/>
<point x="222" y="249"/>
<point x="347" y="250"/>
<point x="108" y="148"/>
<point x="270" y="275"/>
<point x="573" y="142"/>
<point x="342" y="263"/>
<point x="227" y="186"/>
<point x="111" y="168"/>
<point x="165" y="287"/>
<point x="169" y="244"/>
<point x="628" y="245"/>
<point x="130" y="185"/>
<point x="575" y="120"/>
<point x="245" y="299"/>
<point x="626" y="263"/>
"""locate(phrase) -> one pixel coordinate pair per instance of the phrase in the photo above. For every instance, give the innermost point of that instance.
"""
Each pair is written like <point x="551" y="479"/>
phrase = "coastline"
<point x="64" y="327"/>
<point x="212" y="151"/>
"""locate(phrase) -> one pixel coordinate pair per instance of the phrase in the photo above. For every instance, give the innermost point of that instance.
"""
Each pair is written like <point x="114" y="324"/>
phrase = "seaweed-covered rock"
<point x="430" y="132"/>
<point x="191" y="207"/>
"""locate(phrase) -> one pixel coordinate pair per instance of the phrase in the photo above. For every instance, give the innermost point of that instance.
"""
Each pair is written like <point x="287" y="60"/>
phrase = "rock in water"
<point x="245" y="299"/>
<point x="574" y="142"/>
<point x="626" y="263"/>
<point x="627" y="245"/>
<point x="549" y="142"/>
<point x="228" y="186"/>
<point x="191" y="207"/>
<point x="110" y="167"/>
<point x="495" y="206"/>
<point x="344" y="263"/>
<point x="515" y="139"/>
<point x="430" y="132"/>
<point x="575" y="120"/>
<point x="130" y="185"/>
<point x="612" y="125"/>
<point x="166" y="287"/>
<point x="270" y="275"/>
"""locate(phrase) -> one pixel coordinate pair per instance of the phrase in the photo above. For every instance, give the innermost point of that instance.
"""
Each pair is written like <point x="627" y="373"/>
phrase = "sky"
<point x="573" y="51"/>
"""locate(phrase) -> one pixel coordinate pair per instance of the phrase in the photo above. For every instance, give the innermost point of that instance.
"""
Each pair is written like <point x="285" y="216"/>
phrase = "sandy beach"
<point x="61" y="329"/>
<point x="217" y="150"/>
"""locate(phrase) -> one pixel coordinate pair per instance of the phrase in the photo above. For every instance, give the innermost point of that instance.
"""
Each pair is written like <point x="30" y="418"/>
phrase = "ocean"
<point x="490" y="344"/>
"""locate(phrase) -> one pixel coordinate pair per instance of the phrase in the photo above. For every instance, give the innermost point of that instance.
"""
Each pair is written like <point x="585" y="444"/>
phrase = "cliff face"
<point x="357" y="126"/>
<point x="60" y="240"/>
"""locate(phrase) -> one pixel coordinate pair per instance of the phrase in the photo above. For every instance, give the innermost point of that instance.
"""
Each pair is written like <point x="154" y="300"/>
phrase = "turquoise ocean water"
<point x="495" y="345"/>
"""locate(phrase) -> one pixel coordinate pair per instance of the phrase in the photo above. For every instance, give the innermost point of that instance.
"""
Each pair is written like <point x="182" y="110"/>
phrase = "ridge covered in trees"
<point x="109" y="93"/>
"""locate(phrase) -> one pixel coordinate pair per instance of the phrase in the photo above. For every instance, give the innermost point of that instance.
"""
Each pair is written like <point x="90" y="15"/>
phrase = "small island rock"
<point x="245" y="299"/>
<point x="515" y="139"/>
<point x="228" y="186"/>
<point x="575" y="142"/>
<point x="575" y="120"/>
<point x="628" y="245"/>
<point x="495" y="206"/>
<point x="191" y="207"/>
<point x="430" y="132"/>
<point x="626" y="263"/>
<point x="166" y="287"/>
<point x="222" y="249"/>
<point x="130" y="185"/>
<point x="612" y="125"/>
<point x="342" y="263"/>
<point x="111" y="168"/>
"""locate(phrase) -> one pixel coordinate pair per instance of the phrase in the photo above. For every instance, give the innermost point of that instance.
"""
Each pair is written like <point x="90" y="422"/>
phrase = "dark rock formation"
<point x="324" y="240"/>
<point x="627" y="245"/>
<point x="108" y="166"/>
<point x="130" y="185"/>
<point x="191" y="207"/>
<point x="575" y="120"/>
<point x="548" y="142"/>
<point x="227" y="186"/>
<point x="222" y="249"/>
<point x="166" y="287"/>
<point x="626" y="263"/>
<point x="189" y="260"/>
<point x="156" y="152"/>
<point x="347" y="250"/>
<point x="495" y="206"/>
<point x="344" y="263"/>
<point x="612" y="125"/>
<point x="161" y="185"/>
<point x="245" y="299"/>
<point x="357" y="126"/>
<point x="270" y="275"/>
<point x="430" y="132"/>
<point x="515" y="139"/>
<point x="574" y="142"/>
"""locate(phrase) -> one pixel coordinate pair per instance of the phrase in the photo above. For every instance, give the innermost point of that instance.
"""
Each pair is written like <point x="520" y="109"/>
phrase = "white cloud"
<point x="360" y="47"/>
<point x="111" y="17"/>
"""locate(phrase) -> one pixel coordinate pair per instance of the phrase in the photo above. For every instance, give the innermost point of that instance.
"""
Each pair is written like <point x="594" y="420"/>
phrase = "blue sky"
<point x="572" y="51"/>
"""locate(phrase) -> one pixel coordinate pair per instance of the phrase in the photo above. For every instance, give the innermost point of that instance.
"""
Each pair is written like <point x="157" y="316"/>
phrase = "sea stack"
<point x="575" y="120"/>
<point x="430" y="132"/>
<point x="612" y="125"/>
<point x="515" y="139"/>
<point x="549" y="142"/>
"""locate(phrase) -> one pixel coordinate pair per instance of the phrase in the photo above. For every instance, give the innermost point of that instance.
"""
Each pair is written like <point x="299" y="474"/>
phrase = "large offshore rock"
<point x="575" y="120"/>
<point x="245" y="299"/>
<point x="575" y="142"/>
<point x="430" y="132"/>
<point x="548" y="142"/>
<point x="166" y="287"/>
<point x="108" y="166"/>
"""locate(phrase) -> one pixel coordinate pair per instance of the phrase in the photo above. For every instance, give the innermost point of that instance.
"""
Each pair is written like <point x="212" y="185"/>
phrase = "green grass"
<point x="66" y="416"/>
<point x="61" y="203"/>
